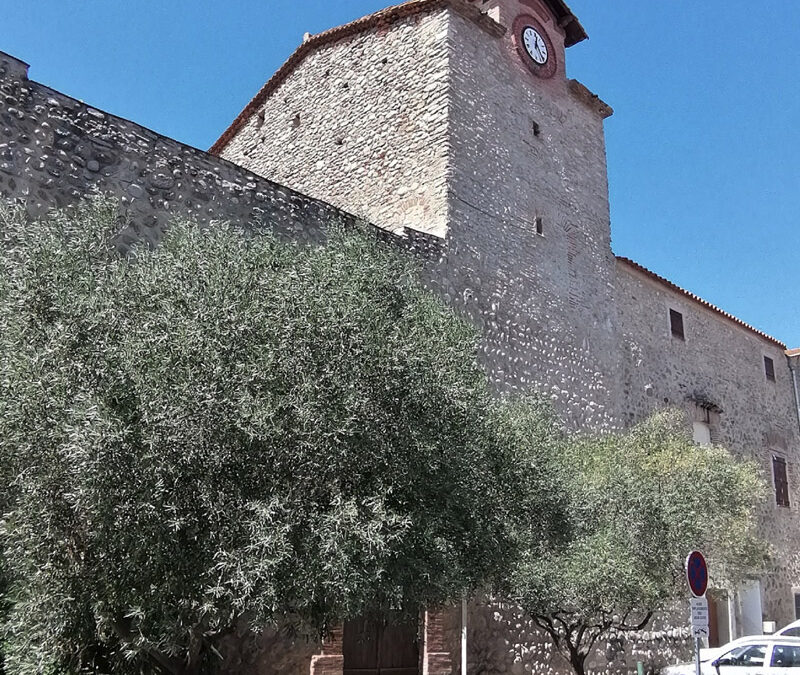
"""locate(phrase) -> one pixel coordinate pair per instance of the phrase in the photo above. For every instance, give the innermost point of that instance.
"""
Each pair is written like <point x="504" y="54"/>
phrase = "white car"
<point x="755" y="655"/>
<point x="792" y="630"/>
<point x="789" y="630"/>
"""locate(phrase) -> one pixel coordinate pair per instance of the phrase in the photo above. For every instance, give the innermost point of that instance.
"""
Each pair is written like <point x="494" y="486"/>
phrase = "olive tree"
<point x="233" y="427"/>
<point x="635" y="504"/>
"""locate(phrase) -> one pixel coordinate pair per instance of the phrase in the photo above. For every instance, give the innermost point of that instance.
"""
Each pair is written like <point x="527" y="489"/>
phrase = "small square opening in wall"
<point x="537" y="130"/>
<point x="676" y="324"/>
<point x="539" y="222"/>
<point x="769" y="368"/>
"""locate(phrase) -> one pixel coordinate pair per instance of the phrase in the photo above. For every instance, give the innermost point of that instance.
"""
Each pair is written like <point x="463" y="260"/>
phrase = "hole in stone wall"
<point x="385" y="60"/>
<point x="536" y="129"/>
<point x="260" y="119"/>
<point x="296" y="121"/>
<point x="346" y="85"/>
<point x="539" y="222"/>
<point x="339" y="141"/>
<point x="327" y="73"/>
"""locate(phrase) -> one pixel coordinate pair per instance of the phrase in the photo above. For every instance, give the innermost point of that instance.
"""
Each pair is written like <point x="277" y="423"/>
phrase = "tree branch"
<point x="121" y="627"/>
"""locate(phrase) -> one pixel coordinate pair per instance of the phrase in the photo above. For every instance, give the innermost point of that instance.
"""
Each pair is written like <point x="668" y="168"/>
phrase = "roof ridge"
<point x="383" y="17"/>
<point x="701" y="301"/>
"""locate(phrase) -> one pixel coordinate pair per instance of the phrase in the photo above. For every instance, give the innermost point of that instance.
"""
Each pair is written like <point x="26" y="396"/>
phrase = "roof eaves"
<point x="666" y="282"/>
<point x="568" y="21"/>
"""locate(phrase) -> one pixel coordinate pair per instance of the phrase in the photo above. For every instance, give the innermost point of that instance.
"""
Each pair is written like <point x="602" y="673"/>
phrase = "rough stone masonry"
<point x="424" y="120"/>
<point x="428" y="116"/>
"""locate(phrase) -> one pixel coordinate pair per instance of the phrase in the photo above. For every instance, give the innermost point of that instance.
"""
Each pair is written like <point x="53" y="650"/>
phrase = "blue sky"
<point x="704" y="151"/>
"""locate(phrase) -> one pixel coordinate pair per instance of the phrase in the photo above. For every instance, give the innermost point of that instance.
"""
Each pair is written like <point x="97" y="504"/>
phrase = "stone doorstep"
<point x="439" y="663"/>
<point x="327" y="665"/>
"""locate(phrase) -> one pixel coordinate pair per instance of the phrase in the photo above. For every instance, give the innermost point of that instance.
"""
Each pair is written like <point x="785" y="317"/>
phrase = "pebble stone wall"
<point x="721" y="364"/>
<point x="362" y="124"/>
<point x="426" y="124"/>
<point x="523" y="149"/>
<point x="55" y="150"/>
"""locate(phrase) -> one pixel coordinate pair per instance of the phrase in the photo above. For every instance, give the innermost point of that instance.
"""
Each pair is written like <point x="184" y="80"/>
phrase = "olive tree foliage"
<point x="231" y="427"/>
<point x="636" y="504"/>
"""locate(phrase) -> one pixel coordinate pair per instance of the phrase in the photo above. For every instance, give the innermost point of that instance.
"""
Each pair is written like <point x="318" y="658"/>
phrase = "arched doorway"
<point x="379" y="647"/>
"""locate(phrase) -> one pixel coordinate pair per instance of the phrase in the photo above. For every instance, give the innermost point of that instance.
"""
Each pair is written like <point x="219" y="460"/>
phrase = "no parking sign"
<point x="697" y="574"/>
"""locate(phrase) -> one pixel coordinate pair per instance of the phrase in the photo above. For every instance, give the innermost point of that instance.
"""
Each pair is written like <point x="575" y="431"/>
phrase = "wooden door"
<point x="380" y="648"/>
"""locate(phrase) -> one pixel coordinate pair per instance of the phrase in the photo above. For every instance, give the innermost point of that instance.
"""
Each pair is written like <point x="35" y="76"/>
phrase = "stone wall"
<point x="55" y="150"/>
<point x="523" y="149"/>
<point x="720" y="363"/>
<point x="502" y="640"/>
<point x="361" y="123"/>
<point x="428" y="122"/>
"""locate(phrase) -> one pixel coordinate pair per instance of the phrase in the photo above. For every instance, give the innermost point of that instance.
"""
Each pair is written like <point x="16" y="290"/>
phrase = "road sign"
<point x="697" y="574"/>
<point x="699" y="610"/>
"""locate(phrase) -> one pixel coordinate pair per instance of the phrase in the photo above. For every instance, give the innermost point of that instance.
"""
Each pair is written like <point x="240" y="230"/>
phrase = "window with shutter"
<point x="676" y="323"/>
<point x="781" y="480"/>
<point x="769" y="368"/>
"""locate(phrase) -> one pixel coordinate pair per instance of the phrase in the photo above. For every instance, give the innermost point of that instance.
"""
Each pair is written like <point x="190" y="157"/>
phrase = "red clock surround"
<point x="545" y="70"/>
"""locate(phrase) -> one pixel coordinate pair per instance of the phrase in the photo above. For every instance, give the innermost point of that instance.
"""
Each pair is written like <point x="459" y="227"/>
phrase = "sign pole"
<point x="697" y="576"/>
<point x="697" y="655"/>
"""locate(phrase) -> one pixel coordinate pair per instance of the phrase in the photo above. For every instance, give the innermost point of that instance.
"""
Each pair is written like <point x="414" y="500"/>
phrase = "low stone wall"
<point x="501" y="640"/>
<point x="55" y="150"/>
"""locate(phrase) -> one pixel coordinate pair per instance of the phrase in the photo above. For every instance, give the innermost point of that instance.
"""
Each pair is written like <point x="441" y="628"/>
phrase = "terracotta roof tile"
<point x="699" y="300"/>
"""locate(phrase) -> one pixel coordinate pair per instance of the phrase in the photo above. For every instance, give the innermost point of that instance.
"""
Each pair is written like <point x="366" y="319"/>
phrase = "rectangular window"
<point x="769" y="368"/>
<point x="676" y="324"/>
<point x="781" y="480"/>
<point x="702" y="433"/>
<point x="785" y="656"/>
<point x="797" y="606"/>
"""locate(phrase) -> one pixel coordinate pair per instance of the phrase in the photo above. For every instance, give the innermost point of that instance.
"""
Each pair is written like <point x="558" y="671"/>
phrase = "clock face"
<point x="535" y="45"/>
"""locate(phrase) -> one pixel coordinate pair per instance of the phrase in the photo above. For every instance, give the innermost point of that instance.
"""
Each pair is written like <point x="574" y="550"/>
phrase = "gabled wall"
<point x="361" y="123"/>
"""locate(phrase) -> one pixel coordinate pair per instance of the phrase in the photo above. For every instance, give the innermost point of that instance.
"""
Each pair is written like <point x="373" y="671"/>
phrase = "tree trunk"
<point x="578" y="662"/>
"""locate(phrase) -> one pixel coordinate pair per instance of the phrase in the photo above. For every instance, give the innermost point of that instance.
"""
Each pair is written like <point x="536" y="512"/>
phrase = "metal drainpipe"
<point x="793" y="368"/>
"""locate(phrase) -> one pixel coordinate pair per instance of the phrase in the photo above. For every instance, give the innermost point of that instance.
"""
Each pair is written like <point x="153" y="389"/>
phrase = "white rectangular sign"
<point x="699" y="613"/>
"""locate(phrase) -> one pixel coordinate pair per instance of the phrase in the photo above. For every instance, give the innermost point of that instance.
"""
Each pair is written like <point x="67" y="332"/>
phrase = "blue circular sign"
<point x="697" y="574"/>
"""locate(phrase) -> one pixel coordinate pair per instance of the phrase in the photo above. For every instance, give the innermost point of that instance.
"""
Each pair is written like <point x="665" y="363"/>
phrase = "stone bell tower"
<point x="529" y="213"/>
<point x="457" y="118"/>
